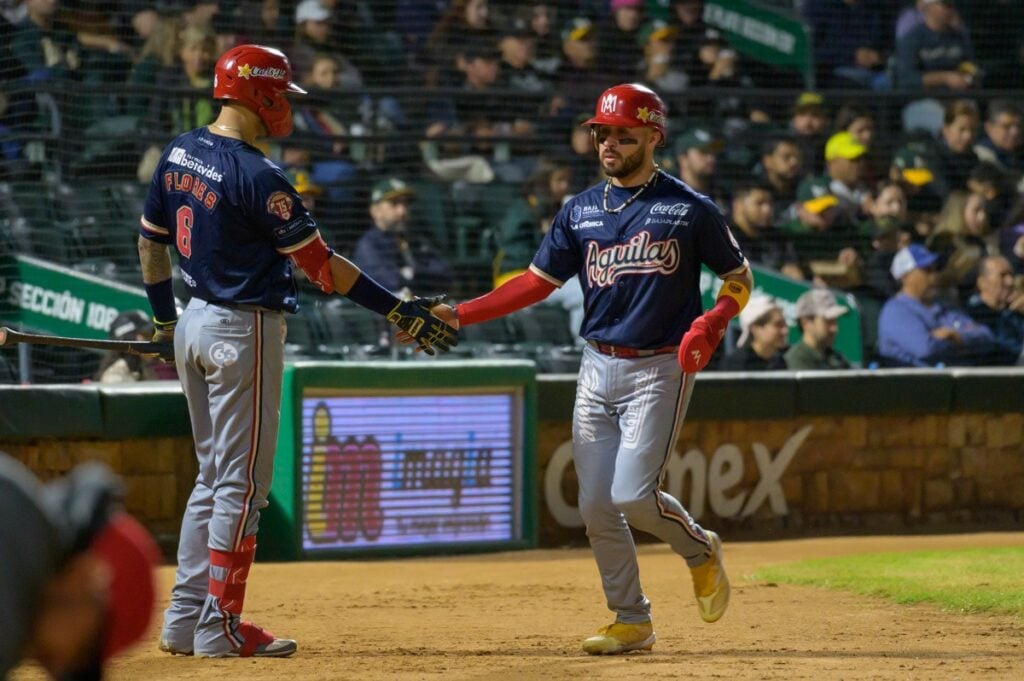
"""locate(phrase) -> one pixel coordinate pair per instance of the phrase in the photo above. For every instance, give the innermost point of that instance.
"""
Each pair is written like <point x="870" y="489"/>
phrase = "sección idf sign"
<point x="407" y="470"/>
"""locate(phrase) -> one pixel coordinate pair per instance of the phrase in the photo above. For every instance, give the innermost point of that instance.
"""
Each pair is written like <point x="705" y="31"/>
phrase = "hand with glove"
<point x="706" y="332"/>
<point x="416" y="323"/>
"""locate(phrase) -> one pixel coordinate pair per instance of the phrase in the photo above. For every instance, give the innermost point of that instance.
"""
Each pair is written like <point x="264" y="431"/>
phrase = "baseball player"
<point x="238" y="226"/>
<point x="636" y="242"/>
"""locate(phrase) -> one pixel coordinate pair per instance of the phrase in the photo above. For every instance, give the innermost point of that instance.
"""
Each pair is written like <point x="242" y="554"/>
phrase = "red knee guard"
<point x="236" y="564"/>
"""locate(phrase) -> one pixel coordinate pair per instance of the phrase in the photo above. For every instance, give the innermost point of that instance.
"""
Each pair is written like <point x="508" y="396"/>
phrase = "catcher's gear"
<point x="630" y="105"/>
<point x="415" y="320"/>
<point x="258" y="77"/>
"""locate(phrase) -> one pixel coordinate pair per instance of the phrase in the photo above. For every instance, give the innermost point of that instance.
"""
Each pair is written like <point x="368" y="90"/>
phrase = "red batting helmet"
<point x="630" y="105"/>
<point x="257" y="77"/>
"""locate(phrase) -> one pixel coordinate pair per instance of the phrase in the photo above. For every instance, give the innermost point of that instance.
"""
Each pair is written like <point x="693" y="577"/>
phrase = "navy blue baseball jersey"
<point x="639" y="269"/>
<point x="232" y="215"/>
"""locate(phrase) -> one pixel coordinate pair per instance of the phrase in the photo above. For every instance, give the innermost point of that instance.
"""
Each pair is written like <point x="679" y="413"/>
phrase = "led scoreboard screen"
<point x="405" y="469"/>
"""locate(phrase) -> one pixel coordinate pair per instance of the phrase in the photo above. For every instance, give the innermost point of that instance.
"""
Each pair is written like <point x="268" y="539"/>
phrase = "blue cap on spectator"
<point x="912" y="257"/>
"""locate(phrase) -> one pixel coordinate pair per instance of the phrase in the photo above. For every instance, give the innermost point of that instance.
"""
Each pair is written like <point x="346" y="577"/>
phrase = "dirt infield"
<point x="523" y="615"/>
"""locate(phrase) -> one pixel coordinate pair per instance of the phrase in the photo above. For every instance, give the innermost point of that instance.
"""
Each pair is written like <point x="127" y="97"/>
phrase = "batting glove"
<point x="700" y="341"/>
<point x="414" y="319"/>
<point x="163" y="331"/>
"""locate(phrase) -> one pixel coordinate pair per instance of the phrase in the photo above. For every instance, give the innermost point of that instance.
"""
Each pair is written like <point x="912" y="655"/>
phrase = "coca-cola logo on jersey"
<point x="674" y="209"/>
<point x="639" y="255"/>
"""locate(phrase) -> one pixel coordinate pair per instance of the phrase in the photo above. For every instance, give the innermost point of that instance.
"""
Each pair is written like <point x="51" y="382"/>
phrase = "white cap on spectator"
<point x="818" y="302"/>
<point x="311" y="10"/>
<point x="757" y="307"/>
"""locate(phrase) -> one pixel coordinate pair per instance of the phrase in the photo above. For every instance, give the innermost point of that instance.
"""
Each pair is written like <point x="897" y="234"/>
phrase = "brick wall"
<point x="158" y="473"/>
<point x="847" y="471"/>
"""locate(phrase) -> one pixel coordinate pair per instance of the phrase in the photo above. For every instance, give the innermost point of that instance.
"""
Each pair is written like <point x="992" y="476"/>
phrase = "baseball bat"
<point x="163" y="350"/>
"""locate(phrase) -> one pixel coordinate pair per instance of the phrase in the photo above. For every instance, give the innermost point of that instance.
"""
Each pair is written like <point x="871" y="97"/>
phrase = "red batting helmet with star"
<point x="258" y="78"/>
<point x="630" y="105"/>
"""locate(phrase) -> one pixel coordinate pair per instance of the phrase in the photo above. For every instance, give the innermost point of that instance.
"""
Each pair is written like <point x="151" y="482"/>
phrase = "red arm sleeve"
<point x="515" y="294"/>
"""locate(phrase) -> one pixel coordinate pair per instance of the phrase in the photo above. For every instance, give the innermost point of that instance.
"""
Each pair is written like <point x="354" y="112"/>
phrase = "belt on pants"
<point x="629" y="353"/>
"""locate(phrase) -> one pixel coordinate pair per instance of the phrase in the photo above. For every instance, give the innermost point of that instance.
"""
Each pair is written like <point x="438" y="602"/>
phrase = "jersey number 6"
<point x="183" y="232"/>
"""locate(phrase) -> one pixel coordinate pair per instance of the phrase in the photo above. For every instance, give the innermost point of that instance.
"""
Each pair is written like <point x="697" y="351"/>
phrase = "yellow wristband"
<point x="735" y="290"/>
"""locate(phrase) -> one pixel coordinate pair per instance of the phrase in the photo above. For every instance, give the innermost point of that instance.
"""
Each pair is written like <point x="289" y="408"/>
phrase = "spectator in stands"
<point x="400" y="261"/>
<point x="937" y="53"/>
<point x="753" y="220"/>
<point x="270" y="29"/>
<point x="963" y="238"/>
<point x="889" y="236"/>
<point x="860" y="123"/>
<point x="657" y="39"/>
<point x="915" y="330"/>
<point x="988" y="180"/>
<point x="541" y="17"/>
<point x="312" y="35"/>
<point x="808" y="125"/>
<point x="414" y="21"/>
<point x="518" y="49"/>
<point x="689" y="20"/>
<point x="196" y="55"/>
<point x="844" y="160"/>
<point x="618" y="51"/>
<point x="956" y="144"/>
<point x="1011" y="237"/>
<point x="157" y="63"/>
<point x="200" y="14"/>
<point x="464" y="20"/>
<point x="719" y="65"/>
<point x="582" y="159"/>
<point x="915" y="167"/>
<point x="578" y="78"/>
<point x="818" y="313"/>
<point x="999" y="305"/>
<point x="781" y="168"/>
<point x="1001" y="144"/>
<point x="849" y="42"/>
<point x="764" y="335"/>
<point x="696" y="153"/>
<point x="44" y="46"/>
<point x="528" y="219"/>
<point x="117" y="367"/>
<point x="305" y="187"/>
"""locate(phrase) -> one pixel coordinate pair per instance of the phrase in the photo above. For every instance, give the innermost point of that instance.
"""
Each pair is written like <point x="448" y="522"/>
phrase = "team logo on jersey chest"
<point x="280" y="204"/>
<point x="639" y="255"/>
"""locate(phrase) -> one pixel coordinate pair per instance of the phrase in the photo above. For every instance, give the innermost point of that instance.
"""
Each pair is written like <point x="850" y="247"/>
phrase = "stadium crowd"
<point x="439" y="139"/>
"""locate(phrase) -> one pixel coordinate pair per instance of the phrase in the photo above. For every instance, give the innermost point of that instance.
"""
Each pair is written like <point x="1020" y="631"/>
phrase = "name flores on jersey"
<point x="187" y="183"/>
<point x="639" y="255"/>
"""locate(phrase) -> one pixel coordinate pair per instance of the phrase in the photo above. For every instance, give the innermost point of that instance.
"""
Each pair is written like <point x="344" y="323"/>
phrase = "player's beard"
<point x="629" y="164"/>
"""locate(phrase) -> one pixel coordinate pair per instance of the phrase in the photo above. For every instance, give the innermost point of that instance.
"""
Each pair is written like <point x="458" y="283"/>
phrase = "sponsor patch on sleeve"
<point x="280" y="204"/>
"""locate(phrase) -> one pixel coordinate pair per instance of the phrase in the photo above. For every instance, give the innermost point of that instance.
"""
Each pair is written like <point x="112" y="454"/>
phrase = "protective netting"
<point x="476" y="105"/>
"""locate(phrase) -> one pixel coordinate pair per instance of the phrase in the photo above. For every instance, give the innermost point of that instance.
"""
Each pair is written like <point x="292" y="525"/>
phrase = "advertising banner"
<point x="768" y="34"/>
<point x="399" y="458"/>
<point x="49" y="298"/>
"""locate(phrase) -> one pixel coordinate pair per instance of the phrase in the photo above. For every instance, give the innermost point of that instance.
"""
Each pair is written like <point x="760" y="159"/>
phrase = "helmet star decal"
<point x="643" y="113"/>
<point x="244" y="71"/>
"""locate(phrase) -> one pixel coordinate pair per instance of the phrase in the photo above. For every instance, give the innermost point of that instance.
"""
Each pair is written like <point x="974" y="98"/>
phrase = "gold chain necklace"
<point x="608" y="185"/>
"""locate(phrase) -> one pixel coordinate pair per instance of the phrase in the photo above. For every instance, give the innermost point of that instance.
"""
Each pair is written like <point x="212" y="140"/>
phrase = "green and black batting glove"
<point x="414" y="318"/>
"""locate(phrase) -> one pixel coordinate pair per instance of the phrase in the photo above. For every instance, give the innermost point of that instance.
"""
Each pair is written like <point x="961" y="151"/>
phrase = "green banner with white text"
<point x="47" y="298"/>
<point x="849" y="342"/>
<point x="767" y="34"/>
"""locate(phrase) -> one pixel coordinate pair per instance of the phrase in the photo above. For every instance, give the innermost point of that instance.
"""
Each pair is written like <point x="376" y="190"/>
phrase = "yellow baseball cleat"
<point x="711" y="584"/>
<point x="619" y="637"/>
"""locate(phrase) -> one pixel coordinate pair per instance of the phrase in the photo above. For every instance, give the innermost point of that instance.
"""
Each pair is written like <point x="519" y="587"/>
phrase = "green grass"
<point x="967" y="580"/>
